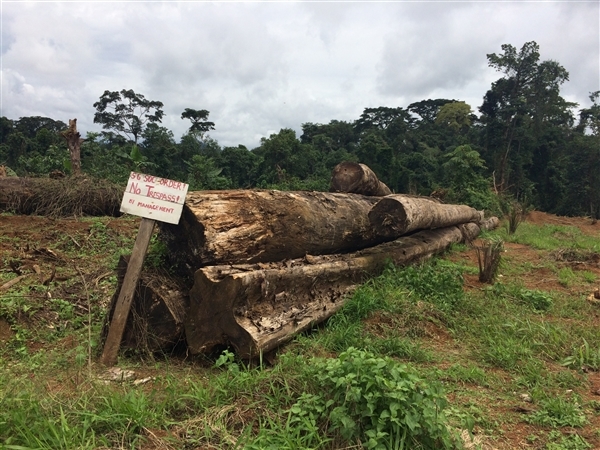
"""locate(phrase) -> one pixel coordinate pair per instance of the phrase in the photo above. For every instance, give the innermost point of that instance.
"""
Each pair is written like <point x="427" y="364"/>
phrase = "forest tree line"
<point x="527" y="143"/>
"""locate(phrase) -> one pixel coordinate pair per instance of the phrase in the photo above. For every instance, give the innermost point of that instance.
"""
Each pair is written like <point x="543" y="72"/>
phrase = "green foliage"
<point x="463" y="174"/>
<point x="127" y="113"/>
<point x="438" y="282"/>
<point x="157" y="253"/>
<point x="36" y="163"/>
<point x="466" y="374"/>
<point x="566" y="276"/>
<point x="205" y="175"/>
<point x="554" y="237"/>
<point x="456" y="115"/>
<point x="532" y="298"/>
<point x="558" y="441"/>
<point x="375" y="400"/>
<point x="556" y="411"/>
<point x="198" y="119"/>
<point x="585" y="357"/>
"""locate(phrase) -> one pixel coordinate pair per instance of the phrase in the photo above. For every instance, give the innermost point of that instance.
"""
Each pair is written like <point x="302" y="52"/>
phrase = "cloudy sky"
<point x="262" y="66"/>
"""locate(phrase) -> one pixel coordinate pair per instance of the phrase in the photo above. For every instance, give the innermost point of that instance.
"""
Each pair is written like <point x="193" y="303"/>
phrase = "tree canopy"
<point x="526" y="143"/>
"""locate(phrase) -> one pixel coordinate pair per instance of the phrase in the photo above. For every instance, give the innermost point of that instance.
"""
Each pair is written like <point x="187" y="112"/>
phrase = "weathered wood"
<point x="74" y="141"/>
<point x="158" y="308"/>
<point x="257" y="307"/>
<point x="397" y="214"/>
<point x="247" y="226"/>
<point x="356" y="178"/>
<point x="134" y="268"/>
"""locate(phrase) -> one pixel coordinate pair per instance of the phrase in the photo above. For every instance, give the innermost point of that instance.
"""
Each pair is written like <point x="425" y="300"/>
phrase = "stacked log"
<point x="257" y="307"/>
<point x="351" y="177"/>
<point x="396" y="215"/>
<point x="264" y="265"/>
<point x="248" y="226"/>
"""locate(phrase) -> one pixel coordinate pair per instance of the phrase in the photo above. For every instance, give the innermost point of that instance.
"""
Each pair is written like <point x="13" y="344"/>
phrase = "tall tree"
<point x="517" y="108"/>
<point x="127" y="113"/>
<point x="583" y="164"/>
<point x="198" y="117"/>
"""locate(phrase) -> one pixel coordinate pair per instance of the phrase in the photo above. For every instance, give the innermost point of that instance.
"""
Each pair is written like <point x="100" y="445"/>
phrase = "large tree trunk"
<point x="256" y="307"/>
<point x="247" y="226"/>
<point x="397" y="214"/>
<point x="358" y="179"/>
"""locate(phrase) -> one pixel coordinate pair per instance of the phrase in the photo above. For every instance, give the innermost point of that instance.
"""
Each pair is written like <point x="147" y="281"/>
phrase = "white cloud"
<point x="259" y="67"/>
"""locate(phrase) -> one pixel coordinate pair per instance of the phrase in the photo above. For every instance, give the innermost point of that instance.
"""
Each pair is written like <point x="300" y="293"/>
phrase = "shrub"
<point x="376" y="401"/>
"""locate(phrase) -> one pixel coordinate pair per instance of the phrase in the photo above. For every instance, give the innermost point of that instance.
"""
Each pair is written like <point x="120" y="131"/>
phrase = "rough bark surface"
<point x="396" y="215"/>
<point x="158" y="309"/>
<point x="357" y="178"/>
<point x="74" y="141"/>
<point x="257" y="307"/>
<point x="247" y="226"/>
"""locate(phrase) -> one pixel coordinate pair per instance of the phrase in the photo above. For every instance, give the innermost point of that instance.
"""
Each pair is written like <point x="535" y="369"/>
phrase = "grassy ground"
<point x="421" y="357"/>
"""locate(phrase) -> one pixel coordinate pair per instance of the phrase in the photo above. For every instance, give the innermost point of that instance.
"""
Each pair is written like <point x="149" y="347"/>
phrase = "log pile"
<point x="264" y="265"/>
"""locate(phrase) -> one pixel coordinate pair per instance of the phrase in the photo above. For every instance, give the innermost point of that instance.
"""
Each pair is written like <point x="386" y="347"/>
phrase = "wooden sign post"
<point x="152" y="198"/>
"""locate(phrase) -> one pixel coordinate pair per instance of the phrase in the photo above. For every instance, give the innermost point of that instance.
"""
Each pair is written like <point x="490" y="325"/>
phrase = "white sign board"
<point x="154" y="197"/>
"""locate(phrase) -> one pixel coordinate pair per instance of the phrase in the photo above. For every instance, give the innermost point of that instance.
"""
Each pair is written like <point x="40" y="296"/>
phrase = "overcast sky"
<point x="262" y="66"/>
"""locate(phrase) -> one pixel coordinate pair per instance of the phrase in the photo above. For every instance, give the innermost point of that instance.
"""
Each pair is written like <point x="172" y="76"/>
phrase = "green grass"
<point x="412" y="360"/>
<point x="552" y="237"/>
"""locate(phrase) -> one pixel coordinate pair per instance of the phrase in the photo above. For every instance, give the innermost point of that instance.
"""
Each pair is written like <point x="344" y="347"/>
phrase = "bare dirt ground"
<point x="33" y="246"/>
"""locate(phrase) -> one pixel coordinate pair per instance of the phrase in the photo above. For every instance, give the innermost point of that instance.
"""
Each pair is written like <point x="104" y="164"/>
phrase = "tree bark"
<point x="357" y="178"/>
<point x="74" y="142"/>
<point x="248" y="226"/>
<point x="257" y="307"/>
<point x="396" y="215"/>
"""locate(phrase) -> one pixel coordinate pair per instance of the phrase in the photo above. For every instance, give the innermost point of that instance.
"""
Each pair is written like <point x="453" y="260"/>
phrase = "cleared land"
<point x="518" y="361"/>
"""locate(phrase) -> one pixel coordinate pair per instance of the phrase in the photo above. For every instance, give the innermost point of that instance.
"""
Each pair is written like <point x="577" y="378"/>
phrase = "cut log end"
<point x="351" y="177"/>
<point x="158" y="310"/>
<point x="399" y="214"/>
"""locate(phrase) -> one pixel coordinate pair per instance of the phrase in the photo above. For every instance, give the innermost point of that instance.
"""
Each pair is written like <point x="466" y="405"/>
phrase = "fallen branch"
<point x="12" y="282"/>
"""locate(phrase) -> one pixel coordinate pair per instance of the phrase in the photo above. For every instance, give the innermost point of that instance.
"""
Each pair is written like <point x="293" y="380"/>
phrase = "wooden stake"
<point x="134" y="269"/>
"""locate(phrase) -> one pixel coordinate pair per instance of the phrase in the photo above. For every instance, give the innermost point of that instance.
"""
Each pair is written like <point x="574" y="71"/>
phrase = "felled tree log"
<point x="257" y="307"/>
<point x="72" y="196"/>
<point x="399" y="214"/>
<point x="247" y="226"/>
<point x="356" y="178"/>
<point x="158" y="309"/>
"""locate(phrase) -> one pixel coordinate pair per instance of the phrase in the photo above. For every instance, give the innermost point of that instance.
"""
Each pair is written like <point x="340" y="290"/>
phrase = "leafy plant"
<point x="538" y="300"/>
<point x="556" y="411"/>
<point x="569" y="442"/>
<point x="534" y="298"/>
<point x="375" y="400"/>
<point x="438" y="282"/>
<point x="584" y="357"/>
